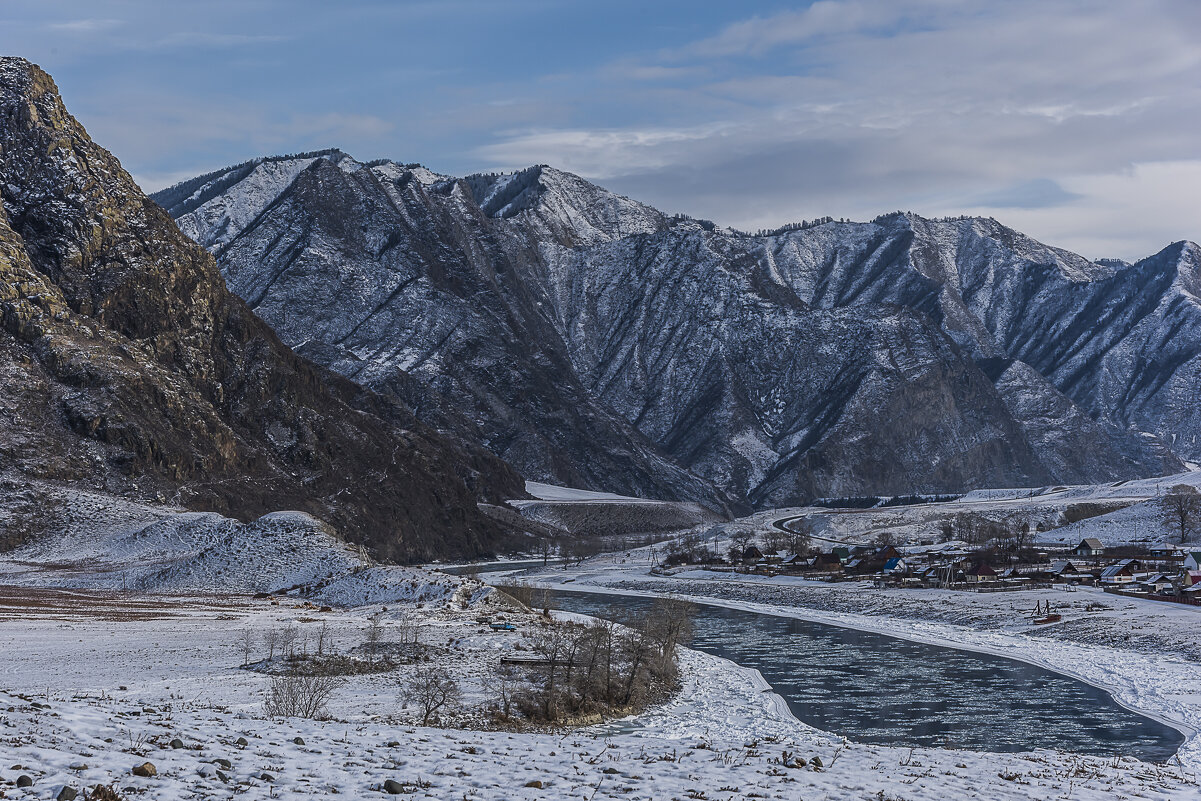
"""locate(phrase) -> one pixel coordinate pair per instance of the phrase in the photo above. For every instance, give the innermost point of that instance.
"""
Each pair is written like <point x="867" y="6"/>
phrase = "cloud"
<point x="859" y="107"/>
<point x="1039" y="193"/>
<point x="86" y="25"/>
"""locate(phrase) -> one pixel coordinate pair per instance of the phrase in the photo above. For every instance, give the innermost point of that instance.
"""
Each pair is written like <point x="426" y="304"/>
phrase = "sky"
<point x="1074" y="121"/>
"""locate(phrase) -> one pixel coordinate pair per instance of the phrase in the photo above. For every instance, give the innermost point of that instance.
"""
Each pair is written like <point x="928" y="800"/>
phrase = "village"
<point x="1153" y="571"/>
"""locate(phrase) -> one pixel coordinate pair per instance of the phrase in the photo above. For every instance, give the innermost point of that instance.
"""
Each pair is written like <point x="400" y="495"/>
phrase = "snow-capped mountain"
<point x="593" y="341"/>
<point x="129" y="368"/>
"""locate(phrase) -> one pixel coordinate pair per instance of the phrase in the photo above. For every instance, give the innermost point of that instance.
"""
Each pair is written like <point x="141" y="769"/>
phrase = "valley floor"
<point x="95" y="683"/>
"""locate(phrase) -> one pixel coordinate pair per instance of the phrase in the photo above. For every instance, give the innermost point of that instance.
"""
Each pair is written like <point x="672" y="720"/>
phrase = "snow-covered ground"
<point x="109" y="687"/>
<point x="552" y="492"/>
<point x="95" y="680"/>
<point x="1136" y="516"/>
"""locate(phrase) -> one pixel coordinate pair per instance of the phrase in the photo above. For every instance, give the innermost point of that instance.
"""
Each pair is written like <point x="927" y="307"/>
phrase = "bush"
<point x="300" y="695"/>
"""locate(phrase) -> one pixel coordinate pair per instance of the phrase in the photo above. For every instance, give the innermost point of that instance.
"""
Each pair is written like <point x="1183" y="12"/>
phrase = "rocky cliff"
<point x="128" y="366"/>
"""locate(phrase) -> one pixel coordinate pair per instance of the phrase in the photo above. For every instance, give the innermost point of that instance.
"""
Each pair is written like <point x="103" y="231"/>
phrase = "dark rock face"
<point x="126" y="364"/>
<point x="593" y="341"/>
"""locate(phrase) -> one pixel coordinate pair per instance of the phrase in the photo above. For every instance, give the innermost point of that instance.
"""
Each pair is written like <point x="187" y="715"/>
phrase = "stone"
<point x="225" y="763"/>
<point x="394" y="787"/>
<point x="266" y="777"/>
<point x="24" y="781"/>
<point x="609" y="771"/>
<point x="67" y="794"/>
<point x="536" y="784"/>
<point x="242" y="741"/>
<point x="177" y="743"/>
<point x="145" y="770"/>
<point x="224" y="779"/>
<point x="298" y="740"/>
<point x="816" y="762"/>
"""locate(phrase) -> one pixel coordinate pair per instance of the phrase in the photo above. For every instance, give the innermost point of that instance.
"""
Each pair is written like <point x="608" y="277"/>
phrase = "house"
<point x="1119" y="573"/>
<point x="1066" y="572"/>
<point x="980" y="572"/>
<point x="843" y="554"/>
<point x="886" y="553"/>
<point x="1191" y="578"/>
<point x="1164" y="550"/>
<point x="1156" y="582"/>
<point x="1192" y="560"/>
<point x="1089" y="546"/>
<point x="896" y="566"/>
<point x="827" y="561"/>
<point x="752" y="554"/>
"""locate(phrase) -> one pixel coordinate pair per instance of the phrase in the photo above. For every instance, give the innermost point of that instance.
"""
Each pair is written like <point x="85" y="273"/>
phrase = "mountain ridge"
<point x="624" y="295"/>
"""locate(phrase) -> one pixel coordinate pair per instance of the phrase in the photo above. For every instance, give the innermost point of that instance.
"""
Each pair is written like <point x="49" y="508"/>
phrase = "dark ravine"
<point x="127" y="366"/>
<point x="593" y="341"/>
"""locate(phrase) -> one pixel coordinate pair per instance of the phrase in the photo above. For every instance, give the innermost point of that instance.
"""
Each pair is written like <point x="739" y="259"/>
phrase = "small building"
<point x="1192" y="560"/>
<point x="1120" y="573"/>
<point x="886" y="553"/>
<point x="1066" y="573"/>
<point x="827" y="562"/>
<point x="1156" y="582"/>
<point x="1191" y="578"/>
<point x="1089" y="546"/>
<point x="752" y="554"/>
<point x="896" y="566"/>
<point x="980" y="572"/>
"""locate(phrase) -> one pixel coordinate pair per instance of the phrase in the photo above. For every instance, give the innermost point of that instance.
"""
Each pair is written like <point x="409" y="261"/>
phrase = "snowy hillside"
<point x="102" y="542"/>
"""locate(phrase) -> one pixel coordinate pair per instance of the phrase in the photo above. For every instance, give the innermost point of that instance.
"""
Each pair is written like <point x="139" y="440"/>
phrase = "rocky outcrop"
<point x="127" y="365"/>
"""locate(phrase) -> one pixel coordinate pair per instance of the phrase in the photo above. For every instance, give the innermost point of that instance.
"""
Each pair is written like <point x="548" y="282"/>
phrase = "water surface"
<point x="874" y="688"/>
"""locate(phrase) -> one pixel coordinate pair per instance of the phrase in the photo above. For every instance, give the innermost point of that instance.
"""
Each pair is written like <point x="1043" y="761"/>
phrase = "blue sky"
<point x="1073" y="121"/>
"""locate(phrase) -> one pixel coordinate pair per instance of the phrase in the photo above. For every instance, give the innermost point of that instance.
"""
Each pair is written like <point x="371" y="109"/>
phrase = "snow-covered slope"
<point x="592" y="341"/>
<point x="103" y="542"/>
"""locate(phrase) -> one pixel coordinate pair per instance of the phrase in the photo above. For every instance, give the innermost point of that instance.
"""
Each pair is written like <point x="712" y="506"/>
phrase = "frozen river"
<point x="878" y="689"/>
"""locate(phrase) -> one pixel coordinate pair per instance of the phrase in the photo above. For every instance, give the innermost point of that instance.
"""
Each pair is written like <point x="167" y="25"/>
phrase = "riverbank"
<point x="95" y="687"/>
<point x="1151" y="671"/>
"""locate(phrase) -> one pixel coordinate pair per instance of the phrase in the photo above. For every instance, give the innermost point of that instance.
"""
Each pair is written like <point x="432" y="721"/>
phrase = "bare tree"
<point x="431" y="689"/>
<point x="271" y="641"/>
<point x="297" y="695"/>
<point x="325" y="640"/>
<point x="247" y="640"/>
<point x="373" y="636"/>
<point x="407" y="629"/>
<point x="544" y="598"/>
<point x="774" y="539"/>
<point x="1182" y="511"/>
<point x="545" y="549"/>
<point x="740" y="540"/>
<point x="885" y="538"/>
<point x="799" y="537"/>
<point x="505" y="682"/>
<point x="288" y="637"/>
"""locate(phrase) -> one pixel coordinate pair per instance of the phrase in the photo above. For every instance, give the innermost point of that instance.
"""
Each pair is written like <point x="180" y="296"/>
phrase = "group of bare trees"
<point x="1182" y="512"/>
<point x="288" y="642"/>
<point x="579" y="669"/>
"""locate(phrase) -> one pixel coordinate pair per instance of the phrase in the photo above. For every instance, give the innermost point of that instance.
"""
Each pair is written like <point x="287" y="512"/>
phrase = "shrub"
<point x="300" y="695"/>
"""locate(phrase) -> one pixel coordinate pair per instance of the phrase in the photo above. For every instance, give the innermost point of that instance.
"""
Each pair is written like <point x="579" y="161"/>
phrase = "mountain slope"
<point x="842" y="358"/>
<point x="383" y="271"/>
<point x="129" y="367"/>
